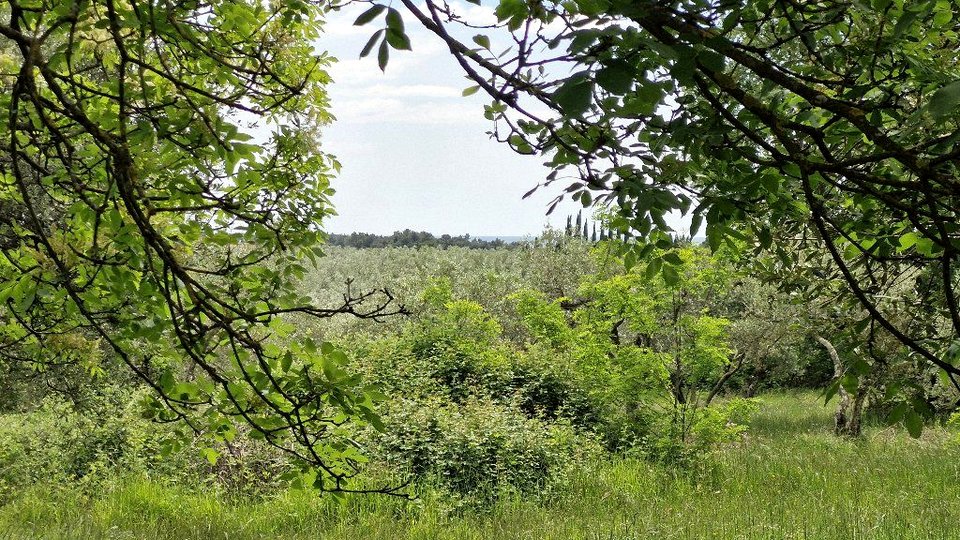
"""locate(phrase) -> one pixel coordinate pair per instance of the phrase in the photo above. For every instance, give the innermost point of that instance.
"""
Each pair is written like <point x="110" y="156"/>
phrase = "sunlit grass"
<point x="791" y="478"/>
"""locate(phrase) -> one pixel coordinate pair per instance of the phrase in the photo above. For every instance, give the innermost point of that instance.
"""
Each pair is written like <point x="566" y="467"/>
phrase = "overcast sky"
<point x="415" y="153"/>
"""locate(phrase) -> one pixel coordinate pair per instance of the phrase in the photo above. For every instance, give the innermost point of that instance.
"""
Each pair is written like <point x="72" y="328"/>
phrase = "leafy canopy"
<point x="139" y="212"/>
<point x="820" y="135"/>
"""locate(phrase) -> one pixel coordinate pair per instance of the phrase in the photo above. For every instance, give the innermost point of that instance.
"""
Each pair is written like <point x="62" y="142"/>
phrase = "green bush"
<point x="481" y="445"/>
<point x="57" y="443"/>
<point x="544" y="389"/>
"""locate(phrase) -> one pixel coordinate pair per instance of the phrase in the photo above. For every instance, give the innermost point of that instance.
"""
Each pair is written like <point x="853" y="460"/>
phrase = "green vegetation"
<point x="178" y="351"/>
<point x="408" y="238"/>
<point x="818" y="138"/>
<point x="618" y="409"/>
<point x="790" y="479"/>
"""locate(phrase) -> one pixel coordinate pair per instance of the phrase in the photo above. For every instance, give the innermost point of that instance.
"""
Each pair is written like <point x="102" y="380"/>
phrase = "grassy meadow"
<point x="790" y="477"/>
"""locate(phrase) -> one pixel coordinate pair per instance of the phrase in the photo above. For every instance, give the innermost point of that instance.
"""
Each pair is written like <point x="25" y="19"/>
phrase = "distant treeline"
<point x="408" y="238"/>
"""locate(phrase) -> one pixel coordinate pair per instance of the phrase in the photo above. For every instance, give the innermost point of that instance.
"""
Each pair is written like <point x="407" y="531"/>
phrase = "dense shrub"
<point x="481" y="445"/>
<point x="57" y="443"/>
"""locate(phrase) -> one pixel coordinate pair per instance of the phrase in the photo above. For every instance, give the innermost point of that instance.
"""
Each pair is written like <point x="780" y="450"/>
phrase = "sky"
<point x="415" y="152"/>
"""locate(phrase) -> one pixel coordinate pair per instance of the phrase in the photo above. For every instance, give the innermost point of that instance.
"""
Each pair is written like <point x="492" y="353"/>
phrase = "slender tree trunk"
<point x="847" y="419"/>
<point x="731" y="371"/>
<point x="856" y="411"/>
<point x="751" y="389"/>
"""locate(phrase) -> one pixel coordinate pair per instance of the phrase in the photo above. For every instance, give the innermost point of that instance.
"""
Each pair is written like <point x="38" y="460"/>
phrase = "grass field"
<point x="789" y="479"/>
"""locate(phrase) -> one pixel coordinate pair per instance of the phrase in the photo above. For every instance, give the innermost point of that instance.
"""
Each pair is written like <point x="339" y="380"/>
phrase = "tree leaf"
<point x="369" y="15"/>
<point x="383" y="56"/>
<point x="908" y="240"/>
<point x="944" y="101"/>
<point x="211" y="455"/>
<point x="370" y="43"/>
<point x="914" y="423"/>
<point x="670" y="275"/>
<point x="617" y="77"/>
<point x="394" y="20"/>
<point x="672" y="258"/>
<point x="398" y="40"/>
<point x="482" y="41"/>
<point x="574" y="96"/>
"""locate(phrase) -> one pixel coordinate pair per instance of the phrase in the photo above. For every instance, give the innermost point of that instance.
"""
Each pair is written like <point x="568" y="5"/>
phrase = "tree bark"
<point x="847" y="419"/>
<point x="731" y="371"/>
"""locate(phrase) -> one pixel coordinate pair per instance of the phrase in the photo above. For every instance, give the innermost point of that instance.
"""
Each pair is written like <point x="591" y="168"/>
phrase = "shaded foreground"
<point x="790" y="479"/>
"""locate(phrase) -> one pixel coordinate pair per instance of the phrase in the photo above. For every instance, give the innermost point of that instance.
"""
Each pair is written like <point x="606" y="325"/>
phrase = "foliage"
<point x="817" y="135"/>
<point x="469" y="409"/>
<point x="480" y="446"/>
<point x="645" y="346"/>
<point x="140" y="218"/>
<point x="58" y="444"/>
<point x="408" y="238"/>
<point x="879" y="487"/>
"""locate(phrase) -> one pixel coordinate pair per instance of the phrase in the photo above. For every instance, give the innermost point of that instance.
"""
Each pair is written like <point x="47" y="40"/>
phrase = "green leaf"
<point x="510" y="9"/>
<point x="942" y="17"/>
<point x="906" y="21"/>
<point x="850" y="382"/>
<point x="394" y="20"/>
<point x="574" y="95"/>
<point x="644" y="100"/>
<point x="398" y="40"/>
<point x="167" y="380"/>
<point x="712" y="60"/>
<point x="653" y="267"/>
<point x="383" y="56"/>
<point x="944" y="101"/>
<point x="908" y="240"/>
<point x="339" y="357"/>
<point x="831" y="391"/>
<point x="670" y="275"/>
<point x="765" y="238"/>
<point x="470" y="91"/>
<point x="370" y="43"/>
<point x="672" y="258"/>
<point x="369" y="15"/>
<point x="897" y="413"/>
<point x="211" y="455"/>
<point x="914" y="423"/>
<point x="695" y="223"/>
<point x="482" y="41"/>
<point x="617" y="77"/>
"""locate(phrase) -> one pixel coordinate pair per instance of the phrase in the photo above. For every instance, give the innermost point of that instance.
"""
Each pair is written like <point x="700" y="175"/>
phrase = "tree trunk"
<point x="856" y="412"/>
<point x="731" y="371"/>
<point x="847" y="420"/>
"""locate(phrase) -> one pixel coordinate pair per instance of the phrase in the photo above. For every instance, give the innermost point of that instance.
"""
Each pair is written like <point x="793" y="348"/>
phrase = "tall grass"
<point x="791" y="478"/>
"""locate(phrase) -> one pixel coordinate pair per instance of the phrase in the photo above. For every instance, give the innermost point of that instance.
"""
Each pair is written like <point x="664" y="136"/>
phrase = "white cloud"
<point x="411" y="91"/>
<point x="415" y="111"/>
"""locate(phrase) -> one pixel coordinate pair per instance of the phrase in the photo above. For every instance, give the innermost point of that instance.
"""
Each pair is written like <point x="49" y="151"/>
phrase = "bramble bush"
<point x="57" y="443"/>
<point x="481" y="445"/>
